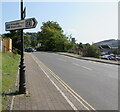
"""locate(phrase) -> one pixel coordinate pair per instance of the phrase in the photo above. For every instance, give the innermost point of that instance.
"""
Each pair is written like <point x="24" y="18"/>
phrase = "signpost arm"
<point x="22" y="84"/>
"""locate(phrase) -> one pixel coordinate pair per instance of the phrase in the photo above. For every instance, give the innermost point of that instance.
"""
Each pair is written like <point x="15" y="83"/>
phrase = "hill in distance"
<point x="110" y="42"/>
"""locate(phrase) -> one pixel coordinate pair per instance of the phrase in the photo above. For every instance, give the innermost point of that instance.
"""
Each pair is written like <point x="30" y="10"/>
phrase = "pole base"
<point x="22" y="85"/>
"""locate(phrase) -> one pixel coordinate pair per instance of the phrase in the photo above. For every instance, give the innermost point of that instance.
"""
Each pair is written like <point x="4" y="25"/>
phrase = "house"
<point x="108" y="46"/>
<point x="106" y="49"/>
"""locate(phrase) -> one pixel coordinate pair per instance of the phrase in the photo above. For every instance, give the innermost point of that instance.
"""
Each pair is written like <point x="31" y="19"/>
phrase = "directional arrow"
<point x="35" y="22"/>
<point x="21" y="24"/>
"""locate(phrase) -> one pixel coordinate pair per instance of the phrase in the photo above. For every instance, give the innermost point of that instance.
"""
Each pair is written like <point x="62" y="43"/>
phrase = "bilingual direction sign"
<point x="21" y="24"/>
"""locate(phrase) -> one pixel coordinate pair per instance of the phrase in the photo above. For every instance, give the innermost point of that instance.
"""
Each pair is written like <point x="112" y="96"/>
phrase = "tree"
<point x="80" y="46"/>
<point x="27" y="40"/>
<point x="68" y="45"/>
<point x="91" y="51"/>
<point x="15" y="36"/>
<point x="32" y="39"/>
<point x="51" y="37"/>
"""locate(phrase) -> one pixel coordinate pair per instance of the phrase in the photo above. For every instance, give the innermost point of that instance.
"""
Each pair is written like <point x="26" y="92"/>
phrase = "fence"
<point x="5" y="44"/>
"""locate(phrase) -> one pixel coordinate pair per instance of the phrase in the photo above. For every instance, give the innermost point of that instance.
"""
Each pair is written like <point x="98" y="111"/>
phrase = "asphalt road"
<point x="96" y="82"/>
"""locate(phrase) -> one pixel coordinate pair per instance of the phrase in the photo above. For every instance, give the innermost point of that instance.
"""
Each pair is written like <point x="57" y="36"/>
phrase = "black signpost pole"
<point x="22" y="84"/>
<point x="20" y="25"/>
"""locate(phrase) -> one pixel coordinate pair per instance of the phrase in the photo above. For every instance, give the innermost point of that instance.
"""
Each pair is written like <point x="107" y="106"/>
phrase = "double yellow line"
<point x="85" y="104"/>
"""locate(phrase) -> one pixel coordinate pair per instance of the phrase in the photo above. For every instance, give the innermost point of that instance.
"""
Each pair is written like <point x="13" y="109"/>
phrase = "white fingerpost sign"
<point x="21" y="24"/>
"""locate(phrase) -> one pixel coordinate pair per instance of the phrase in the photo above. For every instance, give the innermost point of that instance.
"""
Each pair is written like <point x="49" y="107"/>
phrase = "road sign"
<point x="21" y="24"/>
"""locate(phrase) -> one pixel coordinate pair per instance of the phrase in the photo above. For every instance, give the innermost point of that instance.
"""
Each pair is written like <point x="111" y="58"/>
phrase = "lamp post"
<point x="22" y="84"/>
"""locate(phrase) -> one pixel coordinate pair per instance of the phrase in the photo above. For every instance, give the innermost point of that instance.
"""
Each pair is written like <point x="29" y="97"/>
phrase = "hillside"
<point x="110" y="42"/>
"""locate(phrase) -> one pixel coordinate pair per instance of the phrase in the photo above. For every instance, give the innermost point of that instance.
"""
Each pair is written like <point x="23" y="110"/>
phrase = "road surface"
<point x="96" y="82"/>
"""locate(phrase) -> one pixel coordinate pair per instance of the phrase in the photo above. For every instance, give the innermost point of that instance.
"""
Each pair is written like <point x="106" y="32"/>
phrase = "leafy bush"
<point x="91" y="51"/>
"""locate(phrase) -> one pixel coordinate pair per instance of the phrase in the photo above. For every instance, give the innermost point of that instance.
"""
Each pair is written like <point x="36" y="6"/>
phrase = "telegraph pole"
<point x="22" y="84"/>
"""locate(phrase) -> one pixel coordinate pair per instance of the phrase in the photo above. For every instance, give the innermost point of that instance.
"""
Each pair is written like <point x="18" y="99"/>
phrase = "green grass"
<point x="10" y="64"/>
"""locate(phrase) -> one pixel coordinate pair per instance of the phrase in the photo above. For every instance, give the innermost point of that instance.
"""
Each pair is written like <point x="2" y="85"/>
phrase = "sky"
<point x="87" y="22"/>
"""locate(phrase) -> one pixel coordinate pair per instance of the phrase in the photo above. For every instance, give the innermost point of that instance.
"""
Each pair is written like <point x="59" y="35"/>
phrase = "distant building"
<point x="108" y="46"/>
<point x="110" y="42"/>
<point x="106" y="49"/>
<point x="73" y="40"/>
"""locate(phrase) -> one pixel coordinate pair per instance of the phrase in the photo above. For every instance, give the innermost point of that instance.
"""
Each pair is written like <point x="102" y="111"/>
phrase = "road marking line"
<point x="86" y="68"/>
<point x="94" y="62"/>
<point x="54" y="75"/>
<point x="71" y="104"/>
<point x="82" y="66"/>
<point x="61" y="59"/>
<point x="68" y="88"/>
<point x="76" y="64"/>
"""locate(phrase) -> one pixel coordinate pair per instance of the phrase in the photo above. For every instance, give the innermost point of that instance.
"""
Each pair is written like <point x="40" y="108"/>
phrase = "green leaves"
<point x="91" y="51"/>
<point x="27" y="40"/>
<point x="52" y="38"/>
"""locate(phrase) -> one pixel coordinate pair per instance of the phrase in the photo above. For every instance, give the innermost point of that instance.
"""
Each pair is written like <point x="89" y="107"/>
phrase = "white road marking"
<point x="71" y="104"/>
<point x="66" y="98"/>
<point x="66" y="86"/>
<point x="76" y="64"/>
<point x="86" y="68"/>
<point x="81" y="66"/>
<point x="61" y="59"/>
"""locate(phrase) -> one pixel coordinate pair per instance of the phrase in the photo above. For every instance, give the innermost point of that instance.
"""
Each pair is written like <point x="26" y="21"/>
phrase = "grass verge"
<point x="10" y="63"/>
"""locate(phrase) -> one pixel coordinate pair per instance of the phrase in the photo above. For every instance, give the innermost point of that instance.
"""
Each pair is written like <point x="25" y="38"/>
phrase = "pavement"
<point x="45" y="91"/>
<point x="41" y="93"/>
<point x="90" y="58"/>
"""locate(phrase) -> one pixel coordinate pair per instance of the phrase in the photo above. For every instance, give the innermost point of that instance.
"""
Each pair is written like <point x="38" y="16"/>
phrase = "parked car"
<point x="104" y="57"/>
<point x="117" y="58"/>
<point x="108" y="57"/>
<point x="34" y="50"/>
<point x="29" y="49"/>
<point x="112" y="58"/>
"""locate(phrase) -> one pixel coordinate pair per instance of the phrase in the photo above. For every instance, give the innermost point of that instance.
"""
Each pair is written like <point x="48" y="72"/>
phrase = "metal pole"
<point x="22" y="84"/>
